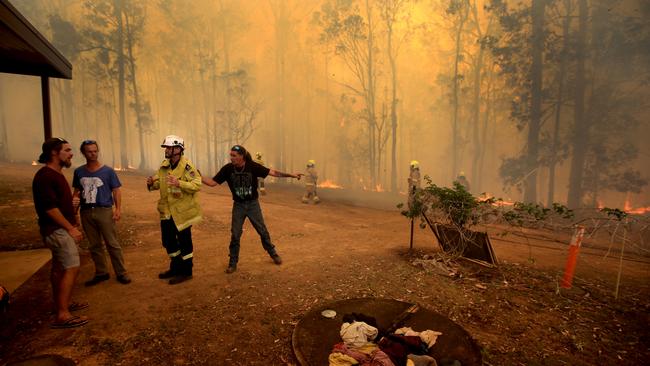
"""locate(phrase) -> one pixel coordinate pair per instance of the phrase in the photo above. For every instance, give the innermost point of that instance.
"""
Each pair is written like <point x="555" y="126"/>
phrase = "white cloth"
<point x="428" y="336"/>
<point x="357" y="334"/>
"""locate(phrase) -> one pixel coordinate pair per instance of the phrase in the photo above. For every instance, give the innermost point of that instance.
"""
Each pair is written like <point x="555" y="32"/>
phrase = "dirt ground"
<point x="336" y="250"/>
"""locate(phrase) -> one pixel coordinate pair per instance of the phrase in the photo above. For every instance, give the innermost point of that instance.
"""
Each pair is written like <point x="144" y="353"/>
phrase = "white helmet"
<point x="172" y="141"/>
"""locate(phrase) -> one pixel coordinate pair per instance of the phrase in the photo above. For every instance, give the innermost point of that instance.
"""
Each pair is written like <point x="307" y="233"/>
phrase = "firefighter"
<point x="311" y="179"/>
<point x="413" y="180"/>
<point x="260" y="180"/>
<point x="463" y="180"/>
<point x="179" y="183"/>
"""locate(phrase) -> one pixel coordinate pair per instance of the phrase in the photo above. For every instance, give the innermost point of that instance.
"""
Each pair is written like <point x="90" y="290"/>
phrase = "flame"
<point x="329" y="184"/>
<point x="638" y="211"/>
<point x="377" y="188"/>
<point x="627" y="206"/>
<point x="34" y="162"/>
<point x="499" y="203"/>
<point x="601" y="205"/>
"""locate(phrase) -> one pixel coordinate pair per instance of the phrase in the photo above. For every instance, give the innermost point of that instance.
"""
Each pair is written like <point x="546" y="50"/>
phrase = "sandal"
<point x="72" y="322"/>
<point x="75" y="306"/>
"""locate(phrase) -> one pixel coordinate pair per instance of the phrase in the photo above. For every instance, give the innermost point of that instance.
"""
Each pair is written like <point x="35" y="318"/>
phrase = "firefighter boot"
<point x="184" y="272"/>
<point x="172" y="271"/>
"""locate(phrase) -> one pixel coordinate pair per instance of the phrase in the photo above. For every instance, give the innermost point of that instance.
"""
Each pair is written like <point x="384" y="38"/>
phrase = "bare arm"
<point x="76" y="199"/>
<point x="208" y="181"/>
<point x="117" y="198"/>
<point x="56" y="215"/>
<point x="275" y="173"/>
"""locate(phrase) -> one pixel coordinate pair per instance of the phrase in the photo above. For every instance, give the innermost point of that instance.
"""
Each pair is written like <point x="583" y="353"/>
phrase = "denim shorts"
<point x="64" y="249"/>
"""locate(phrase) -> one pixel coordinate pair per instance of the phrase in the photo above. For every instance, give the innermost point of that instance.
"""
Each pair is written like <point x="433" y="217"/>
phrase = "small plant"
<point x="615" y="213"/>
<point x="563" y="211"/>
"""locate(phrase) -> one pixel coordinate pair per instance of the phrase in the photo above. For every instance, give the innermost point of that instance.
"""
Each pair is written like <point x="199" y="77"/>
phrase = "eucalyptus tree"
<point x="105" y="32"/>
<point x="615" y="101"/>
<point x="393" y="13"/>
<point x="458" y="11"/>
<point x="352" y="37"/>
<point x="520" y="52"/>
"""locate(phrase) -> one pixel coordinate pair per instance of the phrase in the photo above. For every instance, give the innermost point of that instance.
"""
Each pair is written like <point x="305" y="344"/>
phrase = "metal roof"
<point x="23" y="50"/>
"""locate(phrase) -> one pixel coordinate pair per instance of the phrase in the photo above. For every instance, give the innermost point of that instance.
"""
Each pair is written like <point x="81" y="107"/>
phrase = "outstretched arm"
<point x="208" y="181"/>
<point x="275" y="173"/>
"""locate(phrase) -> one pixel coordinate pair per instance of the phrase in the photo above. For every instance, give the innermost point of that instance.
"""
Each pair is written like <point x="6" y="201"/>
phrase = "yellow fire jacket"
<point x="180" y="203"/>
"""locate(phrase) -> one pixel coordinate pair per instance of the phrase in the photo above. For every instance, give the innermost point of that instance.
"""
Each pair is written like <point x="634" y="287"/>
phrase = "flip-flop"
<point x="75" y="306"/>
<point x="72" y="322"/>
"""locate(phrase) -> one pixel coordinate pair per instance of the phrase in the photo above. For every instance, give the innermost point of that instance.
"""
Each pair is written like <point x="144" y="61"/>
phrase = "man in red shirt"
<point x="57" y="222"/>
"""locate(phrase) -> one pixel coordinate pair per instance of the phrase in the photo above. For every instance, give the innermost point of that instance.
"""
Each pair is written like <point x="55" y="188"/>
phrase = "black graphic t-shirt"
<point x="242" y="181"/>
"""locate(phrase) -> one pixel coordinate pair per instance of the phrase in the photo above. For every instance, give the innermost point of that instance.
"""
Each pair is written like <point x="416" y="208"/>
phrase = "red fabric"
<point x="51" y="190"/>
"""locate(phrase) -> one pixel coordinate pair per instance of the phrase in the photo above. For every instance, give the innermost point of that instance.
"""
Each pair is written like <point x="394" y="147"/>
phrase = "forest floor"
<point x="340" y="249"/>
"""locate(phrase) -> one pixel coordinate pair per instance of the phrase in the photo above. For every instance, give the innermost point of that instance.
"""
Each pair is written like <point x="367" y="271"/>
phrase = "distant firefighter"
<point x="463" y="180"/>
<point x="260" y="180"/>
<point x="311" y="179"/>
<point x="414" y="180"/>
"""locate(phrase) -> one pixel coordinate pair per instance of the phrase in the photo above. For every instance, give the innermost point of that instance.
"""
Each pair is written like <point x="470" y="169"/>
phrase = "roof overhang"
<point x="23" y="50"/>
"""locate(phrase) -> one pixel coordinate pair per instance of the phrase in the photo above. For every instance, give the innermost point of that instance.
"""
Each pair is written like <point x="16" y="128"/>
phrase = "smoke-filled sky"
<point x="299" y="80"/>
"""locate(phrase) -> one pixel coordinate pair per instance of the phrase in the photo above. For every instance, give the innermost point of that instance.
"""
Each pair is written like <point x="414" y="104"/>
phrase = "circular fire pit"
<point x="315" y="334"/>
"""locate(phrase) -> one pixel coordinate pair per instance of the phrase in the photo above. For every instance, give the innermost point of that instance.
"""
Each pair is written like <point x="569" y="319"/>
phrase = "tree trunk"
<point x="476" y="119"/>
<point x="136" y="93"/>
<point x="4" y="141"/>
<point x="118" y="6"/>
<point x="393" y="105"/>
<point x="478" y="147"/>
<point x="484" y="131"/>
<point x="212" y="130"/>
<point x="455" y="145"/>
<point x="280" y="72"/>
<point x="581" y="127"/>
<point x="370" y="101"/>
<point x="530" y="189"/>
<point x="206" y="105"/>
<point x="558" y="107"/>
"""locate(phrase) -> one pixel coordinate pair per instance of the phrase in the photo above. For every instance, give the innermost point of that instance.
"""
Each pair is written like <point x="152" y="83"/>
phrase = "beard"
<point x="66" y="163"/>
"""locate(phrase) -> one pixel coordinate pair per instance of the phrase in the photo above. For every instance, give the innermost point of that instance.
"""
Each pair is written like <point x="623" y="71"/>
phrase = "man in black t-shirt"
<point x="241" y="174"/>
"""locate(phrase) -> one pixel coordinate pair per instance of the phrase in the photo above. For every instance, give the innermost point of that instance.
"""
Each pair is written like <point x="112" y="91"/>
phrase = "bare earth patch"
<point x="332" y="251"/>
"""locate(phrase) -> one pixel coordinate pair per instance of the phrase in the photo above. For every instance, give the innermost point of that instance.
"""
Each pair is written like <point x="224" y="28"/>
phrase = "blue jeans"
<point x="252" y="210"/>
